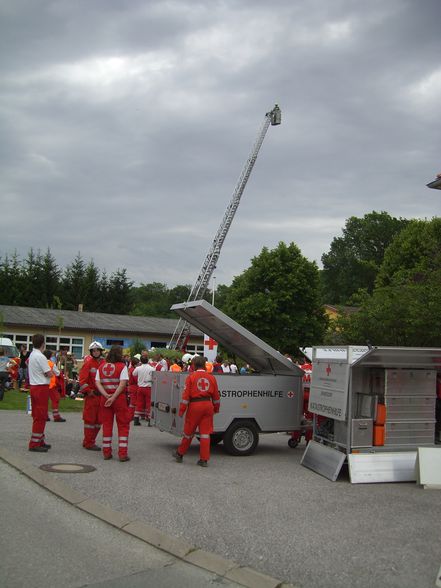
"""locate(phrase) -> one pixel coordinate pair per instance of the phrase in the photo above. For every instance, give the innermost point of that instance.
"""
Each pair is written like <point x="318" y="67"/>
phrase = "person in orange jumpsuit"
<point x="54" y="394"/>
<point x="111" y="380"/>
<point x="92" y="396"/>
<point x="13" y="367"/>
<point x="200" y="401"/>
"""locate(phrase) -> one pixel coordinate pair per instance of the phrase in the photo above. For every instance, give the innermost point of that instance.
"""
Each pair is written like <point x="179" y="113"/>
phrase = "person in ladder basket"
<point x="111" y="380"/>
<point x="92" y="396"/>
<point x="201" y="400"/>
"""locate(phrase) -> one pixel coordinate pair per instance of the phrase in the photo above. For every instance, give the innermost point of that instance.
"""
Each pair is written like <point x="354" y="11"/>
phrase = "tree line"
<point x="38" y="281"/>
<point x="388" y="269"/>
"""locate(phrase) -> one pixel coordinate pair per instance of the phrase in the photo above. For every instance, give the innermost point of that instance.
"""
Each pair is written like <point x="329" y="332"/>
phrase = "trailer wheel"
<point x="293" y="443"/>
<point x="241" y="438"/>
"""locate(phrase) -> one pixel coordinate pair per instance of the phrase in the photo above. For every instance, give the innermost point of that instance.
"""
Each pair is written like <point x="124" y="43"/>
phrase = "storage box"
<point x="379" y="435"/>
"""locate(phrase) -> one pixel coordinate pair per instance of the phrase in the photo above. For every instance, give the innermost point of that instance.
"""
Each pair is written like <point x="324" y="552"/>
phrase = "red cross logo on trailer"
<point x="203" y="384"/>
<point x="328" y="369"/>
<point x="109" y="369"/>
<point x="290" y="394"/>
<point x="210" y="343"/>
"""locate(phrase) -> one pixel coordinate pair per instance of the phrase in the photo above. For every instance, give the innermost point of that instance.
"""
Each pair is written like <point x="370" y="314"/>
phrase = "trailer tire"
<point x="241" y="438"/>
<point x="293" y="443"/>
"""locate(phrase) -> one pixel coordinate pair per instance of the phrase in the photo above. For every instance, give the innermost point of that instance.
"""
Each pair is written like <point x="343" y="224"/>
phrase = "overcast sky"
<point x="125" y="126"/>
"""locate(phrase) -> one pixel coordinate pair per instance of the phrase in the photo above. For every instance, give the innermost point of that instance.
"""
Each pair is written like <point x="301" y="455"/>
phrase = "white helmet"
<point x="96" y="345"/>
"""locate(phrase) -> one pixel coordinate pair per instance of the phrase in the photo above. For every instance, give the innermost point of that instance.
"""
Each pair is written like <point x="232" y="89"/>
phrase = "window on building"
<point x="195" y="349"/>
<point x="110" y="342"/>
<point x="20" y="339"/>
<point x="158" y="344"/>
<point x="73" y="344"/>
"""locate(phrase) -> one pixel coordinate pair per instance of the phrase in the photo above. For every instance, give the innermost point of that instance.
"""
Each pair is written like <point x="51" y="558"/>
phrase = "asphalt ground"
<point x="57" y="544"/>
<point x="264" y="511"/>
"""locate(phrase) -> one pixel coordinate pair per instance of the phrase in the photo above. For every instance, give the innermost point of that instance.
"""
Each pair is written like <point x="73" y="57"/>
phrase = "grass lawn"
<point x="14" y="400"/>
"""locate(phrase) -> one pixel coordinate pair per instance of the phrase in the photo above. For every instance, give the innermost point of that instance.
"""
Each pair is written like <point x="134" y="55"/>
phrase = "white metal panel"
<point x="258" y="354"/>
<point x="328" y="394"/>
<point x="368" y="468"/>
<point x="428" y="466"/>
<point x="323" y="460"/>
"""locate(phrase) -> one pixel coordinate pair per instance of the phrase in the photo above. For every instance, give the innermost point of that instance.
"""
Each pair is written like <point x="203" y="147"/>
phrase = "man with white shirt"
<point x="39" y="377"/>
<point x="144" y="393"/>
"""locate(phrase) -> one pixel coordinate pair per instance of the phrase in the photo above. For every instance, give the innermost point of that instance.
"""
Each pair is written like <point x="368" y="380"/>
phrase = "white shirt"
<point x="144" y="373"/>
<point x="226" y="369"/>
<point x="233" y="368"/>
<point x="37" y="367"/>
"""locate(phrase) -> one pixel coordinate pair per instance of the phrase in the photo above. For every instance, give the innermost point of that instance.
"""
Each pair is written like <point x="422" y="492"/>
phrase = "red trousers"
<point x="40" y="401"/>
<point x="120" y="411"/>
<point x="199" y="415"/>
<point x="54" y="396"/>
<point x="143" y="402"/>
<point x="133" y="394"/>
<point x="91" y="418"/>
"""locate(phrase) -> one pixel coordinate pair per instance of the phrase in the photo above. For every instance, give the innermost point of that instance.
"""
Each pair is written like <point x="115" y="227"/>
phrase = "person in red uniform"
<point x="87" y="376"/>
<point x="111" y="380"/>
<point x="39" y="378"/>
<point x="201" y="400"/>
<point x="54" y="386"/>
<point x="133" y="387"/>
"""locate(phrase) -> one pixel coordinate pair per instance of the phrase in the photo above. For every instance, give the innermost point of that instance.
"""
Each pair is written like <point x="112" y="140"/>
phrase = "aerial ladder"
<point x="181" y="333"/>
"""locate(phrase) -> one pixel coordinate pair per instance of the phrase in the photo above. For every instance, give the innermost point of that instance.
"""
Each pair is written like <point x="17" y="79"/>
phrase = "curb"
<point x="179" y="548"/>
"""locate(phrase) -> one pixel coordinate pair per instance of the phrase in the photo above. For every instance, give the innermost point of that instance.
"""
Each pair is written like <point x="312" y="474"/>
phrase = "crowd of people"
<point x="117" y="387"/>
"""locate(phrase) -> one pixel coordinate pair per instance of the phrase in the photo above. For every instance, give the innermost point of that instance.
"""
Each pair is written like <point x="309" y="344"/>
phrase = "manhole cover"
<point x="67" y="468"/>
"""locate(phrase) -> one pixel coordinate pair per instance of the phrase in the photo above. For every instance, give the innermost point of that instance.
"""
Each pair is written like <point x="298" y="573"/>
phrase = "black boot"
<point x="136" y="422"/>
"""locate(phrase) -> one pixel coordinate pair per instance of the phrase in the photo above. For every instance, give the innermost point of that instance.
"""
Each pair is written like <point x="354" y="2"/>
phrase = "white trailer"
<point x="374" y="407"/>
<point x="268" y="400"/>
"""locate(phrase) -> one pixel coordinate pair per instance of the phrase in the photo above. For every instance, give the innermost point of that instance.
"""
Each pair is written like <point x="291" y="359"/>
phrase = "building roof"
<point x="24" y="316"/>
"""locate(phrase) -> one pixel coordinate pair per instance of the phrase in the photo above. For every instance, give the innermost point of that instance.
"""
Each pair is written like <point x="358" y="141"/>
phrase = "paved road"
<point x="45" y="541"/>
<point x="263" y="511"/>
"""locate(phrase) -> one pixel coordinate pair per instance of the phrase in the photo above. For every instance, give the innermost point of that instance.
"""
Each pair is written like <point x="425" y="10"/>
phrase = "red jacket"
<point x="200" y="384"/>
<point x="87" y="375"/>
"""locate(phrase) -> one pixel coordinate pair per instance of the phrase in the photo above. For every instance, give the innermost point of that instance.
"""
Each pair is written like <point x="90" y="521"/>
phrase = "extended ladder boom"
<point x="181" y="333"/>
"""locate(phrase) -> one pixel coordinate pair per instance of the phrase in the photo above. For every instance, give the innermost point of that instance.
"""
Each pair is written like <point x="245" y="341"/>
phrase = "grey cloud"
<point x="128" y="124"/>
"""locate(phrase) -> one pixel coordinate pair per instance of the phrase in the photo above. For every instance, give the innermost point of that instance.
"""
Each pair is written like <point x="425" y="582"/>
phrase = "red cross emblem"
<point x="210" y="343"/>
<point x="290" y="394"/>
<point x="203" y="384"/>
<point x="328" y="369"/>
<point x="109" y="369"/>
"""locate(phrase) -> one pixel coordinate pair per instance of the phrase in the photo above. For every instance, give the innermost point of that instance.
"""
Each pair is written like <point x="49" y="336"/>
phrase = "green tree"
<point x="73" y="283"/>
<point x="119" y="293"/>
<point x="405" y="307"/>
<point x="177" y="295"/>
<point x="151" y="300"/>
<point x="277" y="298"/>
<point x="33" y="279"/>
<point x="49" y="282"/>
<point x="354" y="259"/>
<point x="11" y="280"/>
<point x="92" y="292"/>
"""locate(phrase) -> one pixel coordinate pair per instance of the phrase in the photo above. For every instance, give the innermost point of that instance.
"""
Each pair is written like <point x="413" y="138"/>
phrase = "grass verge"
<point x="14" y="400"/>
